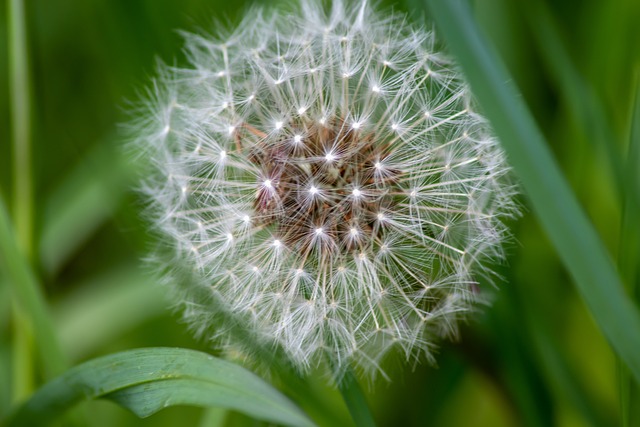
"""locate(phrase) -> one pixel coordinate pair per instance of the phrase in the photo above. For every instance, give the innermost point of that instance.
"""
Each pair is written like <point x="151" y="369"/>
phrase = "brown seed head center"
<point x="328" y="188"/>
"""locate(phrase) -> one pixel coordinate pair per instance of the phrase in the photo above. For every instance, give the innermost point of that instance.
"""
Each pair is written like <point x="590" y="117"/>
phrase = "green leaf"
<point x="148" y="380"/>
<point x="556" y="207"/>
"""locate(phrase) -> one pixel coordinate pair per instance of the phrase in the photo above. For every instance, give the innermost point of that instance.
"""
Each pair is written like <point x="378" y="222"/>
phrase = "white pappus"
<point x="324" y="175"/>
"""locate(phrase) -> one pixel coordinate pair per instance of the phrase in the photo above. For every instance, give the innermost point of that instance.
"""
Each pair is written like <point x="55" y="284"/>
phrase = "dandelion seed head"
<point x="345" y="198"/>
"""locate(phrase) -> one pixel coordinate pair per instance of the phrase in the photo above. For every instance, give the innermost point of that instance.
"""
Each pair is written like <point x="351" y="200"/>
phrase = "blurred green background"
<point x="535" y="358"/>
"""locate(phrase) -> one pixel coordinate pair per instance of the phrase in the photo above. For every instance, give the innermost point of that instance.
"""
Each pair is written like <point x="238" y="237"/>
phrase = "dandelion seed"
<point x="323" y="218"/>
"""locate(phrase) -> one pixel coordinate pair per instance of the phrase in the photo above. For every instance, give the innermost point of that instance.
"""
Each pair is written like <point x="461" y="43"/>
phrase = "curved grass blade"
<point x="557" y="208"/>
<point x="90" y="316"/>
<point x="629" y="252"/>
<point x="84" y="200"/>
<point x="148" y="380"/>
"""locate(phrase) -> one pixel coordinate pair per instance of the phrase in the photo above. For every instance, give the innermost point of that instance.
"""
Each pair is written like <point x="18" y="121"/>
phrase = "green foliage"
<point x="566" y="225"/>
<point x="147" y="380"/>
<point x="535" y="358"/>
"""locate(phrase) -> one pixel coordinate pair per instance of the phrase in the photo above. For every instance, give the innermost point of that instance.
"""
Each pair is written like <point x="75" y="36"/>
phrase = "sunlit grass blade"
<point x="148" y="380"/>
<point x="91" y="316"/>
<point x="82" y="202"/>
<point x="25" y="288"/>
<point x="556" y="207"/>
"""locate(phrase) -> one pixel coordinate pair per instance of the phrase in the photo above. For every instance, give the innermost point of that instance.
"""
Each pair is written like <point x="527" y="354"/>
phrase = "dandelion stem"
<point x="355" y="400"/>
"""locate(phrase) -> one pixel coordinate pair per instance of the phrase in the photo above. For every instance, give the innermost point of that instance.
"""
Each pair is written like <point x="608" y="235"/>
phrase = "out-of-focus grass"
<point x="535" y="358"/>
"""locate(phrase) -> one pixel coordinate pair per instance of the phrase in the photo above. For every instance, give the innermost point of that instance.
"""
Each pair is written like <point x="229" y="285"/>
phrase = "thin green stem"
<point x="22" y="186"/>
<point x="355" y="400"/>
<point x="22" y="360"/>
<point x="20" y="114"/>
<point x="25" y="288"/>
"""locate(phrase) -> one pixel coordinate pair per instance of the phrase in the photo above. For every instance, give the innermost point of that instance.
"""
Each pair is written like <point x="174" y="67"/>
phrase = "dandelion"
<point x="325" y="177"/>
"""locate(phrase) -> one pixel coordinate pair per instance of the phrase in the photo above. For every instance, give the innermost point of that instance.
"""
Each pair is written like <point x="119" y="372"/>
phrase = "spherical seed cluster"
<point x="326" y="177"/>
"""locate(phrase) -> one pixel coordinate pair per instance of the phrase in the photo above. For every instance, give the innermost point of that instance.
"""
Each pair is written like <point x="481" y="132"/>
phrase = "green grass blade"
<point x="25" y="288"/>
<point x="630" y="233"/>
<point x="355" y="400"/>
<point x="83" y="201"/>
<point x="91" y="316"/>
<point x="556" y="207"/>
<point x="629" y="252"/>
<point x="148" y="380"/>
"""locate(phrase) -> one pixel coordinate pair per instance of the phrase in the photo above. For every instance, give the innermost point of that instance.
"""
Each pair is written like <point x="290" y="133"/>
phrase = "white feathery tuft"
<point x="324" y="175"/>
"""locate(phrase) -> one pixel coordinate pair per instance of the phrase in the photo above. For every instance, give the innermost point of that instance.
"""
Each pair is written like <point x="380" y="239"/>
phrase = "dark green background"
<point x="535" y="358"/>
